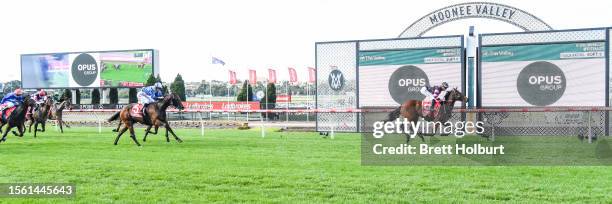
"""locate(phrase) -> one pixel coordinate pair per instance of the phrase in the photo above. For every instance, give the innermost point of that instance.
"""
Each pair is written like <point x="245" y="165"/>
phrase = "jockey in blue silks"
<point x="12" y="99"/>
<point x="149" y="95"/>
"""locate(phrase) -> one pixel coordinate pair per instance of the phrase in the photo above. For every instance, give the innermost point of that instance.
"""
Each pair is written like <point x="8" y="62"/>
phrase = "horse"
<point x="161" y="117"/>
<point x="40" y="116"/>
<point x="16" y="119"/>
<point x="154" y="111"/>
<point x="411" y="110"/>
<point x="56" y="113"/>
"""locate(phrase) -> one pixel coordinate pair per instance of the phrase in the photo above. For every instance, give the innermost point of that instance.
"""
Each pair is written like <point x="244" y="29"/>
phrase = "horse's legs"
<point x="156" y="127"/>
<point x="66" y="124"/>
<point x="43" y="125"/>
<point x="35" y="128"/>
<point x="8" y="128"/>
<point x="168" y="128"/>
<point x="59" y="122"/>
<point x="21" y="130"/>
<point x="119" y="134"/>
<point x="144" y="139"/>
<point x="118" y="126"/>
<point x="30" y="127"/>
<point x="132" y="135"/>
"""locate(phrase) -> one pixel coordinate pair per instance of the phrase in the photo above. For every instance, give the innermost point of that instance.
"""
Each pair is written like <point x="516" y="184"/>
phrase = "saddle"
<point x="426" y="107"/>
<point x="136" y="111"/>
<point x="7" y="112"/>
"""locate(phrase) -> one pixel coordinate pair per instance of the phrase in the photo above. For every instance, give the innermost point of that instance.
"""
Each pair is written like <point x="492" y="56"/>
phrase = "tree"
<point x="151" y="80"/>
<point x="271" y="94"/>
<point x="246" y="88"/>
<point x="67" y="94"/>
<point x="158" y="78"/>
<point x="11" y="86"/>
<point x="132" y="96"/>
<point x="164" y="90"/>
<point x="95" y="96"/>
<point x="178" y="87"/>
<point x="77" y="96"/>
<point x="113" y="96"/>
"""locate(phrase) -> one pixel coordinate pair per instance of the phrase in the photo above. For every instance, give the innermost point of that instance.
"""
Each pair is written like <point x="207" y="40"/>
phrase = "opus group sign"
<point x="553" y="68"/>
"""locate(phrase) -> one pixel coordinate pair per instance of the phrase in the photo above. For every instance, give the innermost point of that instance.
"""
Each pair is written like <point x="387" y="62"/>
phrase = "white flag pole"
<point x="210" y="99"/>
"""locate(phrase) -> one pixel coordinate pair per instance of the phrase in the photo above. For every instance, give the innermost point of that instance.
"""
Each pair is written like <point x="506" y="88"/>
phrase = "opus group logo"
<point x="84" y="69"/>
<point x="406" y="82"/>
<point x="541" y="83"/>
<point x="336" y="80"/>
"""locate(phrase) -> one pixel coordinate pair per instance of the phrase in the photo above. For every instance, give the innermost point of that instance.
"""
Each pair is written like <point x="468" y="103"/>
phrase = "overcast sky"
<point x="245" y="34"/>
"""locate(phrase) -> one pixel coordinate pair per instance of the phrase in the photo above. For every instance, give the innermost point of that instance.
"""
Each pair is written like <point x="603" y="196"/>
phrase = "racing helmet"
<point x="158" y="85"/>
<point x="18" y="92"/>
<point x="42" y="93"/>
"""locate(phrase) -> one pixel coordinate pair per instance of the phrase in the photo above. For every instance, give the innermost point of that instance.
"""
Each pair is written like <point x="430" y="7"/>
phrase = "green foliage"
<point x="151" y="80"/>
<point x="67" y="94"/>
<point x="132" y="95"/>
<point x="95" y="96"/>
<point x="271" y="93"/>
<point x="164" y="90"/>
<point x="11" y="86"/>
<point x="158" y="78"/>
<point x="246" y="88"/>
<point x="113" y="96"/>
<point x="178" y="87"/>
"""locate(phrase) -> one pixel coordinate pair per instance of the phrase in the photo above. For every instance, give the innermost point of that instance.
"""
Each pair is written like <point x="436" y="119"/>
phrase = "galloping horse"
<point x="56" y="113"/>
<point x="40" y="116"/>
<point x="162" y="117"/>
<point x="411" y="110"/>
<point x="154" y="111"/>
<point x="16" y="119"/>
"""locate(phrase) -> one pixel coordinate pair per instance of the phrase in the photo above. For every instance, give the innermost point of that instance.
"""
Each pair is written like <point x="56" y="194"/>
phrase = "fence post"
<point x="590" y="132"/>
<point x="331" y="133"/>
<point x="201" y="125"/>
<point x="263" y="128"/>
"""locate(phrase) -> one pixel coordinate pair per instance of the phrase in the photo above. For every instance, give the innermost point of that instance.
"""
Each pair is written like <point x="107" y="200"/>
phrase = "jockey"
<point x="39" y="98"/>
<point x="435" y="93"/>
<point x="12" y="99"/>
<point x="149" y="95"/>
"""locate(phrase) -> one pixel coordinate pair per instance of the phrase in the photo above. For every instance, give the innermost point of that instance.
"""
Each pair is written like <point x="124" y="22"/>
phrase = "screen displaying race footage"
<point x="87" y="69"/>
<point x="389" y="78"/>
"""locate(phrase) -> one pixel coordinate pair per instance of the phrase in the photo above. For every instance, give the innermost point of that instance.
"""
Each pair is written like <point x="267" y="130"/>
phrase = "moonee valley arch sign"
<point x="505" y="13"/>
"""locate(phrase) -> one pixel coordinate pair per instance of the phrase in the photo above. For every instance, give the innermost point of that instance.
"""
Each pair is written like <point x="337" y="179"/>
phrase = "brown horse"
<point x="161" y="117"/>
<point x="411" y="110"/>
<point x="16" y="119"/>
<point x="154" y="111"/>
<point x="56" y="113"/>
<point x="40" y="116"/>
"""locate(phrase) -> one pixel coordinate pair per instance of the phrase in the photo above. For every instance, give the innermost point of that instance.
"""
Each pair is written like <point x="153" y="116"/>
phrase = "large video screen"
<point x="559" y="74"/>
<point x="87" y="69"/>
<point x="388" y="78"/>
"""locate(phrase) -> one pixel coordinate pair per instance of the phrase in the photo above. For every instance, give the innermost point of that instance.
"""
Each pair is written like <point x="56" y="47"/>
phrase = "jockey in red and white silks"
<point x="435" y="93"/>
